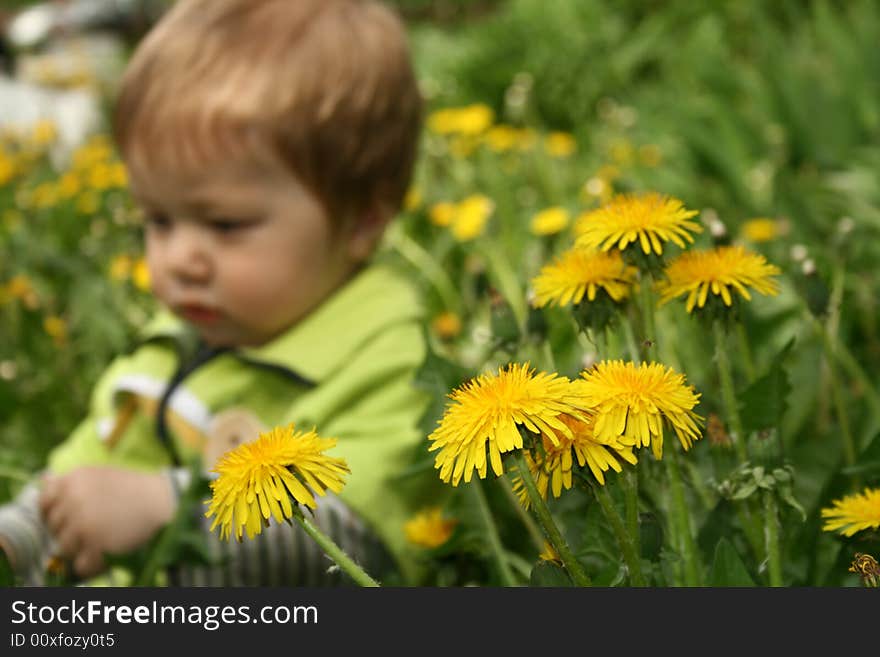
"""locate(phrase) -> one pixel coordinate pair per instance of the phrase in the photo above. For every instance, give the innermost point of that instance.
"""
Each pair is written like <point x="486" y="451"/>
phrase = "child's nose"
<point x="188" y="255"/>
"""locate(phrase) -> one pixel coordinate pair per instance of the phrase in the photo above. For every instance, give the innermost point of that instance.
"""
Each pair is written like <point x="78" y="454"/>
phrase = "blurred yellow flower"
<point x="447" y="325"/>
<point x="140" y="275"/>
<point x="560" y="144"/>
<point x="7" y="168"/>
<point x="120" y="267"/>
<point x="696" y="273"/>
<point x="578" y="272"/>
<point x="442" y="213"/>
<point x="469" y="120"/>
<point x="56" y="328"/>
<point x="413" y="199"/>
<point x="21" y="288"/>
<point x="486" y="412"/>
<point x="471" y="215"/>
<point x="853" y="513"/>
<point x="44" y="133"/>
<point x="760" y="229"/>
<point x="649" y="219"/>
<point x="69" y="185"/>
<point x="257" y="479"/>
<point x="632" y="403"/>
<point x="429" y="529"/>
<point x="622" y="152"/>
<point x="88" y="202"/>
<point x="501" y="138"/>
<point x="549" y="221"/>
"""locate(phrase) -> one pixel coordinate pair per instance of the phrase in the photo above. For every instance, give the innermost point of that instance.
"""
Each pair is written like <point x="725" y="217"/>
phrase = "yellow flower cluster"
<point x="595" y="420"/>
<point x="466" y="219"/>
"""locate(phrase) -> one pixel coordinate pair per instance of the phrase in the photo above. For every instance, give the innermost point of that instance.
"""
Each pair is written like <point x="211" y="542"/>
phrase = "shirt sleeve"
<point x="25" y="536"/>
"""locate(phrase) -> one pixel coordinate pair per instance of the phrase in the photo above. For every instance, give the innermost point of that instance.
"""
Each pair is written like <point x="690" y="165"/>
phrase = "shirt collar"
<point x="329" y="336"/>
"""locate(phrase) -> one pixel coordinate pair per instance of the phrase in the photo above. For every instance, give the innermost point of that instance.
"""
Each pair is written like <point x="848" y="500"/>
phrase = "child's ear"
<point x="366" y="232"/>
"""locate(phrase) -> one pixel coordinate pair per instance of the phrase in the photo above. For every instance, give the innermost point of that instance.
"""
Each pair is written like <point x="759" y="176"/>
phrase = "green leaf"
<point x="763" y="403"/>
<point x="547" y="573"/>
<point x="728" y="568"/>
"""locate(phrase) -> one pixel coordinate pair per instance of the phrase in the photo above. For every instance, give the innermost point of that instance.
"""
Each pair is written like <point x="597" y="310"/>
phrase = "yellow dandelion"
<point x="501" y="138"/>
<point x="469" y="120"/>
<point x="578" y="272"/>
<point x="429" y="529"/>
<point x="471" y="216"/>
<point x="696" y="273"/>
<point x="549" y="221"/>
<point x="551" y="467"/>
<point x="650" y="155"/>
<point x="257" y="479"/>
<point x="447" y="325"/>
<point x="632" y="404"/>
<point x="560" y="144"/>
<point x="442" y="213"/>
<point x="140" y="275"/>
<point x="486" y="413"/>
<point x="120" y="267"/>
<point x="760" y="230"/>
<point x="44" y="133"/>
<point x="413" y="199"/>
<point x="853" y="513"/>
<point x="650" y="219"/>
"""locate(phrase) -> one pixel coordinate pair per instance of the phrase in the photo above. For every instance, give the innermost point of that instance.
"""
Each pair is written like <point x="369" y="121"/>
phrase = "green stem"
<point x="631" y="497"/>
<point x="771" y="536"/>
<point x="649" y="339"/>
<point x="681" y="519"/>
<point x="630" y="337"/>
<point x="728" y="395"/>
<point x="334" y="551"/>
<point x="572" y="565"/>
<point x="751" y="527"/>
<point x="528" y="522"/>
<point x="506" y="279"/>
<point x="423" y="261"/>
<point x="839" y="352"/>
<point x="624" y="537"/>
<point x="15" y="473"/>
<point x="492" y="534"/>
<point x="745" y="351"/>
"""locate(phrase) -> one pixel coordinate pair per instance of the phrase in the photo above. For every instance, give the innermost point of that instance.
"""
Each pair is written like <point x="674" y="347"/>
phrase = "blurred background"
<point x="764" y="116"/>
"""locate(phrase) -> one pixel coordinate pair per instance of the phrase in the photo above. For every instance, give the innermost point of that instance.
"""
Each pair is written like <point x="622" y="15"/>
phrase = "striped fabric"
<point x="282" y="555"/>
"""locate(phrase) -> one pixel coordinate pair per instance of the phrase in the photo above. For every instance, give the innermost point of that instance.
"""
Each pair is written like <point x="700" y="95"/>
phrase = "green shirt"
<point x="346" y="370"/>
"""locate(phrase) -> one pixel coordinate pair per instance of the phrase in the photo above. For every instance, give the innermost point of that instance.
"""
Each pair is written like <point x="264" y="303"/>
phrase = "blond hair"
<point x="326" y="86"/>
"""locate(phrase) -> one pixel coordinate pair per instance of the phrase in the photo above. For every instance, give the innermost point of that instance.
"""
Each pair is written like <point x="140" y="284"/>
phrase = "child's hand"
<point x="97" y="510"/>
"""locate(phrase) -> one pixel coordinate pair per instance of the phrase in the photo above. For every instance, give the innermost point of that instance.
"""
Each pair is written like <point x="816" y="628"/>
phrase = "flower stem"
<point x="631" y="495"/>
<point x="681" y="519"/>
<point x="727" y="392"/>
<point x="528" y="522"/>
<point x="649" y="339"/>
<point x="506" y="279"/>
<point x="492" y="534"/>
<point x="745" y="351"/>
<point x="572" y="565"/>
<point x="427" y="264"/>
<point x="334" y="551"/>
<point x="624" y="538"/>
<point x="771" y="535"/>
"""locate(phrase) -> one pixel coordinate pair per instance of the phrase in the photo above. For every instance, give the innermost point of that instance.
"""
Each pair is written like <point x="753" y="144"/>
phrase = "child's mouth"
<point x="199" y="314"/>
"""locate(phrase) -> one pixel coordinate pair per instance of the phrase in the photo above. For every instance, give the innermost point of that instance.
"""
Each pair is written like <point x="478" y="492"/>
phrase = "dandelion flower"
<point x="578" y="272"/>
<point x="760" y="229"/>
<point x="549" y="221"/>
<point x="560" y="144"/>
<point x="632" y="403"/>
<point x="447" y="325"/>
<point x="257" y="479"/>
<point x="853" y="513"/>
<point x="471" y="215"/>
<point x="429" y="528"/>
<point x="549" y="553"/>
<point x="486" y="412"/>
<point x="650" y="219"/>
<point x="140" y="275"/>
<point x="469" y="120"/>
<point x="551" y="467"/>
<point x="442" y="213"/>
<point x="696" y="273"/>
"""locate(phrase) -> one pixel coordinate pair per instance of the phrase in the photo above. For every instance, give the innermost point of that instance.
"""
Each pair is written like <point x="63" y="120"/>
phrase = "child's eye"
<point x="157" y="220"/>
<point x="228" y="225"/>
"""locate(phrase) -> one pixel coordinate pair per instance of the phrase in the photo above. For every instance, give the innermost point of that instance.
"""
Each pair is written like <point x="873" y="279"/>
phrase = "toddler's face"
<point x="240" y="251"/>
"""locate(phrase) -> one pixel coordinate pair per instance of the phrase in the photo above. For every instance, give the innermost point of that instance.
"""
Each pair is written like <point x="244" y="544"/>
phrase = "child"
<point x="269" y="142"/>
